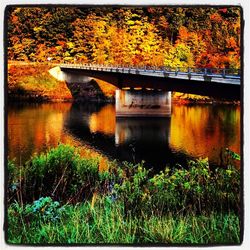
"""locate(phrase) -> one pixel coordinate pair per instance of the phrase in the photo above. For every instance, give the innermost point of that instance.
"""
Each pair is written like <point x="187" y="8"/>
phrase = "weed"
<point x="195" y="204"/>
<point x="105" y="223"/>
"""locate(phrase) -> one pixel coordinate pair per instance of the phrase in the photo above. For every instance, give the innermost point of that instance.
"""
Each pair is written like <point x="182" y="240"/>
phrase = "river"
<point x="192" y="131"/>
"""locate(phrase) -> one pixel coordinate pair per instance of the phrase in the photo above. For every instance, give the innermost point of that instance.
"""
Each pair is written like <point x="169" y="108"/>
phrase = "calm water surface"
<point x="192" y="131"/>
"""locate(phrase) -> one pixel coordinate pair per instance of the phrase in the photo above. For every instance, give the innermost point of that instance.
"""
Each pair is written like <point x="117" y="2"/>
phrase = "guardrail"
<point x="205" y="72"/>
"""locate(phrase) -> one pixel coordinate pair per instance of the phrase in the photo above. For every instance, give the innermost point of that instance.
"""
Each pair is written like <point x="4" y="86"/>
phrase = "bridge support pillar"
<point x="143" y="103"/>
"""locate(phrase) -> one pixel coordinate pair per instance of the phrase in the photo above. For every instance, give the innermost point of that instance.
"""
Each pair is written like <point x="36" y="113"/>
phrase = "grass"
<point x="105" y="223"/>
<point x="34" y="82"/>
<point x="61" y="197"/>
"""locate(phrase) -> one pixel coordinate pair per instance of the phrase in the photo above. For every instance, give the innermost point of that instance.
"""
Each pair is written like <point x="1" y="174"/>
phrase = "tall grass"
<point x="106" y="223"/>
<point x="50" y="196"/>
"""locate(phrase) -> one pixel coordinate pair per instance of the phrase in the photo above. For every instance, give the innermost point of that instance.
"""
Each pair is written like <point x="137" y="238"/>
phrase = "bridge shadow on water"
<point x="125" y="139"/>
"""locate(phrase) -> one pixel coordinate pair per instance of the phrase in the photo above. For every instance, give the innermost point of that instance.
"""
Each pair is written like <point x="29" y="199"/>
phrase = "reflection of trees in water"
<point x="103" y="121"/>
<point x="225" y="123"/>
<point x="192" y="130"/>
<point x="34" y="127"/>
<point x="77" y="124"/>
<point x="204" y="130"/>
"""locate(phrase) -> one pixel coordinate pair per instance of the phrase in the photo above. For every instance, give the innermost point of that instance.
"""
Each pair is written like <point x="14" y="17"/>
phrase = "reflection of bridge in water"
<point x="150" y="87"/>
<point x="130" y="139"/>
<point x="192" y="131"/>
<point x="145" y="130"/>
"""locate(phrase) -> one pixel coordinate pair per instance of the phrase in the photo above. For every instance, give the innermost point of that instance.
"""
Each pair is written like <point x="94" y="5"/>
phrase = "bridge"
<point x="218" y="83"/>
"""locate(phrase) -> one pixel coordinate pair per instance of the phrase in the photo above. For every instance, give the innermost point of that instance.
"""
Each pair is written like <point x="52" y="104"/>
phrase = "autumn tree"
<point x="150" y="36"/>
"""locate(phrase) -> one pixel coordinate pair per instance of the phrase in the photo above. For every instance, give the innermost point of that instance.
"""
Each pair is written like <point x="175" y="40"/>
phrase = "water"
<point x="191" y="132"/>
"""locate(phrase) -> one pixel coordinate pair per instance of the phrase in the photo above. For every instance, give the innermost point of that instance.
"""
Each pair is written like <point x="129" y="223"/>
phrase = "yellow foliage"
<point x="179" y="56"/>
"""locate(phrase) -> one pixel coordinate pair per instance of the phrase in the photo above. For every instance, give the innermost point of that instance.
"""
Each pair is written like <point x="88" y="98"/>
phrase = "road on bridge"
<point x="224" y="83"/>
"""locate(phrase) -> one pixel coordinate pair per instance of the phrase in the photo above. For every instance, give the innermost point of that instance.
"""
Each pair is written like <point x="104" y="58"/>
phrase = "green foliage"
<point x="44" y="209"/>
<point x="195" y="204"/>
<point x="64" y="175"/>
<point x="197" y="188"/>
<point x="226" y="187"/>
<point x="12" y="169"/>
<point x="131" y="188"/>
<point x="106" y="223"/>
<point x="35" y="82"/>
<point x="179" y="56"/>
<point x="230" y="154"/>
<point x="13" y="179"/>
<point x="61" y="173"/>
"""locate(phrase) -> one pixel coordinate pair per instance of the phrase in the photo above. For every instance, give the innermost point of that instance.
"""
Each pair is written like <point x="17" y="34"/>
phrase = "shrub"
<point x="60" y="173"/>
<point x="131" y="186"/>
<point x="197" y="188"/>
<point x="126" y="198"/>
<point x="65" y="176"/>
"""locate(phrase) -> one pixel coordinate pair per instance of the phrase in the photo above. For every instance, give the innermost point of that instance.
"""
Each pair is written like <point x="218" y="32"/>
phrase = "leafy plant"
<point x="66" y="177"/>
<point x="46" y="209"/>
<point x="129" y="204"/>
<point x="132" y="187"/>
<point x="61" y="173"/>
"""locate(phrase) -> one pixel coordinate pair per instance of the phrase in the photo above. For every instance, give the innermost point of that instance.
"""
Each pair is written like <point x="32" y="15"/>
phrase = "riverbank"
<point x="32" y="82"/>
<point x="61" y="197"/>
<point x="182" y="98"/>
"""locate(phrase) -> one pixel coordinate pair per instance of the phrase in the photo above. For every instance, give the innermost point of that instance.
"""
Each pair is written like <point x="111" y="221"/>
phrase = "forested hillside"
<point x="155" y="36"/>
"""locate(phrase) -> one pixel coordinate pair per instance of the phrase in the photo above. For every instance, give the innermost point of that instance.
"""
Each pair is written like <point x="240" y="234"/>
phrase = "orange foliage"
<point x="216" y="17"/>
<point x="231" y="43"/>
<point x="183" y="33"/>
<point x="103" y="165"/>
<point x="15" y="19"/>
<point x="35" y="80"/>
<point x="107" y="88"/>
<point x="127" y="36"/>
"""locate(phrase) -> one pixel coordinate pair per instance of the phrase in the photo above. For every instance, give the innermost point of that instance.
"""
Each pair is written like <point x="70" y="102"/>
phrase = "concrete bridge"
<point x="145" y="91"/>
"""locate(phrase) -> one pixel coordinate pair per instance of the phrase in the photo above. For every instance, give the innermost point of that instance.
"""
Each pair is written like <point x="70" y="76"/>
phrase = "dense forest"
<point x="148" y="36"/>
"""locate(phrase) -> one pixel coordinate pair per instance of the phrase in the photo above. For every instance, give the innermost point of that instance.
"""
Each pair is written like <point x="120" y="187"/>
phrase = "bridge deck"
<point x="206" y="75"/>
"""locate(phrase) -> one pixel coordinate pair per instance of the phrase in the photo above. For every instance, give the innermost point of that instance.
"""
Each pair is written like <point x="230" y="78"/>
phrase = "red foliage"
<point x="224" y="10"/>
<point x="151" y="10"/>
<point x="61" y="43"/>
<point x="216" y="17"/>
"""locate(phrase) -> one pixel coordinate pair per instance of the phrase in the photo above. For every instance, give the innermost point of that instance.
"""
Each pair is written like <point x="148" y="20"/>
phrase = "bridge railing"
<point x="210" y="72"/>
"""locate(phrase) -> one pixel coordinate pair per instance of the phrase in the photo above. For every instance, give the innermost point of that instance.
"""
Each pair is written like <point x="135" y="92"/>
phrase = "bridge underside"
<point x="125" y="80"/>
